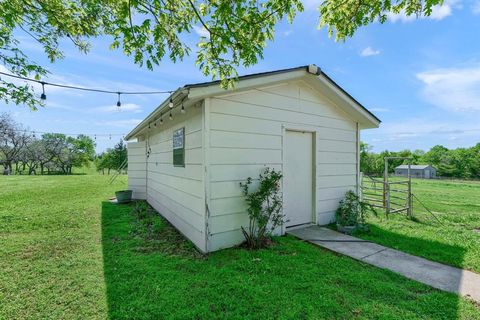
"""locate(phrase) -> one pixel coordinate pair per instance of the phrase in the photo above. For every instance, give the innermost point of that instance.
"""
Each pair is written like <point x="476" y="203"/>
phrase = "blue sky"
<point x="421" y="77"/>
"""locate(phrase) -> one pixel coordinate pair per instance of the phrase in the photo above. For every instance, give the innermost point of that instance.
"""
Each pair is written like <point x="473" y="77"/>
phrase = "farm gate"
<point x="391" y="195"/>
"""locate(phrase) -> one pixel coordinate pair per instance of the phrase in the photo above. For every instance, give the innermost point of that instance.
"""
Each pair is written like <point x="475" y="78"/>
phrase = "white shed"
<point x="194" y="149"/>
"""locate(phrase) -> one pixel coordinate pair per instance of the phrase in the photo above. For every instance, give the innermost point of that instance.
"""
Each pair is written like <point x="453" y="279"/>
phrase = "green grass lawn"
<point x="65" y="253"/>
<point x="455" y="240"/>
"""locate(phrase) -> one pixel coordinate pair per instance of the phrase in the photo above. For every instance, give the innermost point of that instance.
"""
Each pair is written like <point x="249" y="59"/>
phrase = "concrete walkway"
<point x="434" y="274"/>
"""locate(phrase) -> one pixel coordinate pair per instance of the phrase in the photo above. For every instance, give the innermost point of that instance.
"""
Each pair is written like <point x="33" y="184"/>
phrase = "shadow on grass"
<point x="291" y="280"/>
<point x="428" y="249"/>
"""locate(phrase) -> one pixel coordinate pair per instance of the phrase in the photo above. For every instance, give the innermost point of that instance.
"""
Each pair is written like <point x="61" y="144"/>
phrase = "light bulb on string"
<point x="118" y="102"/>
<point x="170" y="103"/>
<point x="170" y="116"/>
<point x="149" y="125"/>
<point x="161" y="120"/>
<point x="155" y="124"/>
<point x="43" y="96"/>
<point x="183" y="108"/>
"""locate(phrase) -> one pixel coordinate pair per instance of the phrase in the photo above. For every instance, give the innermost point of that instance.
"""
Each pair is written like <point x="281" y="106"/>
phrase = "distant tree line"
<point x="22" y="152"/>
<point x="461" y="163"/>
<point x="112" y="159"/>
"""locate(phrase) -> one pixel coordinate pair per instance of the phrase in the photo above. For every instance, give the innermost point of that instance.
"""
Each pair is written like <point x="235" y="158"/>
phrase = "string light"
<point x="170" y="103"/>
<point x="155" y="124"/>
<point x="43" y="96"/>
<point x="170" y="116"/>
<point x="161" y="120"/>
<point x="149" y="125"/>
<point x="183" y="108"/>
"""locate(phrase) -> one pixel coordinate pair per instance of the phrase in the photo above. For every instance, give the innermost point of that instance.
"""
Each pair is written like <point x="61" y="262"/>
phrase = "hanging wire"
<point x="170" y="114"/>
<point x="43" y="83"/>
<point x="34" y="132"/>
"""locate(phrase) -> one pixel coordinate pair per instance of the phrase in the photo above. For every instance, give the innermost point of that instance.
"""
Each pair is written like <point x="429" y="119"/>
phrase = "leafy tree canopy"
<point x="344" y="17"/>
<point x="236" y="31"/>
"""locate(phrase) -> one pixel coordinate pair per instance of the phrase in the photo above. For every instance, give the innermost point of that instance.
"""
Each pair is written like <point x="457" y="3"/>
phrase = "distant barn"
<point x="417" y="171"/>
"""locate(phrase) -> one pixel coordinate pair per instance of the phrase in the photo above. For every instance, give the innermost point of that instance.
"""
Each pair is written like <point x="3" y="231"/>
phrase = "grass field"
<point x="455" y="240"/>
<point x="65" y="253"/>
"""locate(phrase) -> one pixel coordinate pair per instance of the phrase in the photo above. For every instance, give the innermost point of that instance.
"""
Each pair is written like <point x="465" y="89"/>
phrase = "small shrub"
<point x="264" y="208"/>
<point x="352" y="211"/>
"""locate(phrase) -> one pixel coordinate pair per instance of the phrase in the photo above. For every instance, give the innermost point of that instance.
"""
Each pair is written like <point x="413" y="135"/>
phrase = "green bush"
<point x="264" y="208"/>
<point x="352" y="211"/>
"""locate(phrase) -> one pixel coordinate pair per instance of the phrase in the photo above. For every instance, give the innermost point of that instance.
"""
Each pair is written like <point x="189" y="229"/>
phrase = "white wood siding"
<point x="137" y="169"/>
<point x="246" y="135"/>
<point x="178" y="193"/>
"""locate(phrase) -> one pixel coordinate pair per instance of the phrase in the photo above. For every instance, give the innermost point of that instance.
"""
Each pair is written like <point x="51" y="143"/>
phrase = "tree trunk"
<point x="6" y="168"/>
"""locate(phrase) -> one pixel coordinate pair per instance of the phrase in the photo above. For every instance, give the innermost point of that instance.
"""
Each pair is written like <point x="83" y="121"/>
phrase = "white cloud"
<point x="443" y="11"/>
<point x="423" y="133"/>
<point x="126" y="107"/>
<point x="476" y="7"/>
<point x="287" y="33"/>
<point x="439" y="12"/>
<point x="368" y="51"/>
<point x="201" y="31"/>
<point x="454" y="89"/>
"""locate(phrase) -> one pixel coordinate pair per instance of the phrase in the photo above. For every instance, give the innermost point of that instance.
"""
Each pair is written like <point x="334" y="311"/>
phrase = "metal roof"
<point x="413" y="166"/>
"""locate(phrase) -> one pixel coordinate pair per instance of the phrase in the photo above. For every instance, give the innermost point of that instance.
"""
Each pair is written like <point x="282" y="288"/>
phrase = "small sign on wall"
<point x="179" y="147"/>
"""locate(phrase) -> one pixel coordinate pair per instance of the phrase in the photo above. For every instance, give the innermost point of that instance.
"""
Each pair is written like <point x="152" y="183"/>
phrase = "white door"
<point x="298" y="178"/>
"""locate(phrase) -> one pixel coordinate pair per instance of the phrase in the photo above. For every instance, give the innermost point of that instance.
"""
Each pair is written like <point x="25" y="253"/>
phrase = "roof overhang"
<point x="192" y="93"/>
<point x="343" y="100"/>
<point x="178" y="95"/>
